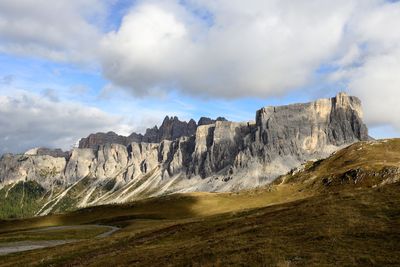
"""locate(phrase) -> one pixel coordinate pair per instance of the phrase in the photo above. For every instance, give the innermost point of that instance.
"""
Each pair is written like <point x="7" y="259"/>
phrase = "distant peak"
<point x="221" y="119"/>
<point x="206" y="120"/>
<point x="343" y="93"/>
<point x="170" y="119"/>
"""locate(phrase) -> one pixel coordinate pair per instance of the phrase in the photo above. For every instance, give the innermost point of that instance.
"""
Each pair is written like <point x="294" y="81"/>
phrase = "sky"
<point x="69" y="68"/>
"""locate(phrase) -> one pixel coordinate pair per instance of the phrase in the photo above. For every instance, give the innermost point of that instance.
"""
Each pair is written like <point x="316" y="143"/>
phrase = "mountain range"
<point x="302" y="185"/>
<point x="338" y="211"/>
<point x="170" y="129"/>
<point x="178" y="157"/>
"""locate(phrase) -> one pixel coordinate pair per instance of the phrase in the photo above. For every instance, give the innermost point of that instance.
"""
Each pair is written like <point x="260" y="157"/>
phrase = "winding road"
<point x="19" y="246"/>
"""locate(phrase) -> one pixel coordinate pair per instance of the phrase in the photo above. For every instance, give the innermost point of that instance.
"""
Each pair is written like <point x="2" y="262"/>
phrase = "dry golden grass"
<point x="363" y="164"/>
<point x="178" y="206"/>
<point x="350" y="228"/>
<point x="81" y="232"/>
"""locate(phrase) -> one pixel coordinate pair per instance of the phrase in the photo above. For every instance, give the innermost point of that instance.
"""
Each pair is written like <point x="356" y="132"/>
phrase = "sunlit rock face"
<point x="171" y="129"/>
<point x="312" y="127"/>
<point x="211" y="155"/>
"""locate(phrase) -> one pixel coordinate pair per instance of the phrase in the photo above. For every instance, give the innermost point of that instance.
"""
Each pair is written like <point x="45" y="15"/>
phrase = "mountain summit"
<point x="171" y="128"/>
<point x="212" y="155"/>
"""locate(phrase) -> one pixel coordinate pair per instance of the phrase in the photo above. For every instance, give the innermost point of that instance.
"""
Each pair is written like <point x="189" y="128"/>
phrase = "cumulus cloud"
<point x="45" y="119"/>
<point x="252" y="48"/>
<point x="225" y="48"/>
<point x="259" y="48"/>
<point x="28" y="120"/>
<point x="371" y="65"/>
<point x="57" y="30"/>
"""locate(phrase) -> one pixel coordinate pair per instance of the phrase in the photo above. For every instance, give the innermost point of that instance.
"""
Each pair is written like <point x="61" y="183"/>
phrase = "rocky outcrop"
<point x="42" y="151"/>
<point x="206" y="121"/>
<point x="181" y="157"/>
<point x="45" y="169"/>
<point x="310" y="128"/>
<point x="171" y="129"/>
<point x="94" y="140"/>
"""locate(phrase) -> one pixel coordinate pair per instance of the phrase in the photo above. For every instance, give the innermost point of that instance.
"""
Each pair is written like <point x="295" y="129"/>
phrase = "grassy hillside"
<point x="172" y="207"/>
<point x="360" y="228"/>
<point x="364" y="164"/>
<point x="342" y="211"/>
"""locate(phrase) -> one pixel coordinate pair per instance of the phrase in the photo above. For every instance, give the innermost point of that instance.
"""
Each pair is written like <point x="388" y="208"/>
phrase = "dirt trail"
<point x="112" y="230"/>
<point x="19" y="246"/>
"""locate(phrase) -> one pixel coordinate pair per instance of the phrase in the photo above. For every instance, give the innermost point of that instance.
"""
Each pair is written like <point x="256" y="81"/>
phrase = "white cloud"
<point x="256" y="48"/>
<point x="57" y="30"/>
<point x="28" y="120"/>
<point x="259" y="48"/>
<point x="377" y="83"/>
<point x="44" y="120"/>
<point x="372" y="72"/>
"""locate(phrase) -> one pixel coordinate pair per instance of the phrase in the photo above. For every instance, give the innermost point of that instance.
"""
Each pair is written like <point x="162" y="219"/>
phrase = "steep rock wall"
<point x="222" y="156"/>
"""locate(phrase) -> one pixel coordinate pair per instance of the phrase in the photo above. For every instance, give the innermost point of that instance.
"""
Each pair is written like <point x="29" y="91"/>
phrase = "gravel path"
<point x="12" y="247"/>
<point x="112" y="230"/>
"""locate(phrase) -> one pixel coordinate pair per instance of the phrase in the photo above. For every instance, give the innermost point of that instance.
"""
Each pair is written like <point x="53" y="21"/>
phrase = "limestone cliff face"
<point x="94" y="140"/>
<point x="311" y="128"/>
<point x="43" y="169"/>
<point x="171" y="129"/>
<point x="221" y="156"/>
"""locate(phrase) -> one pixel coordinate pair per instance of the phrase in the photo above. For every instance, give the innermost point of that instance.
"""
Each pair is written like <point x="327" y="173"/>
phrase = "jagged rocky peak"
<point x="206" y="120"/>
<point x="171" y="128"/>
<point x="213" y="155"/>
